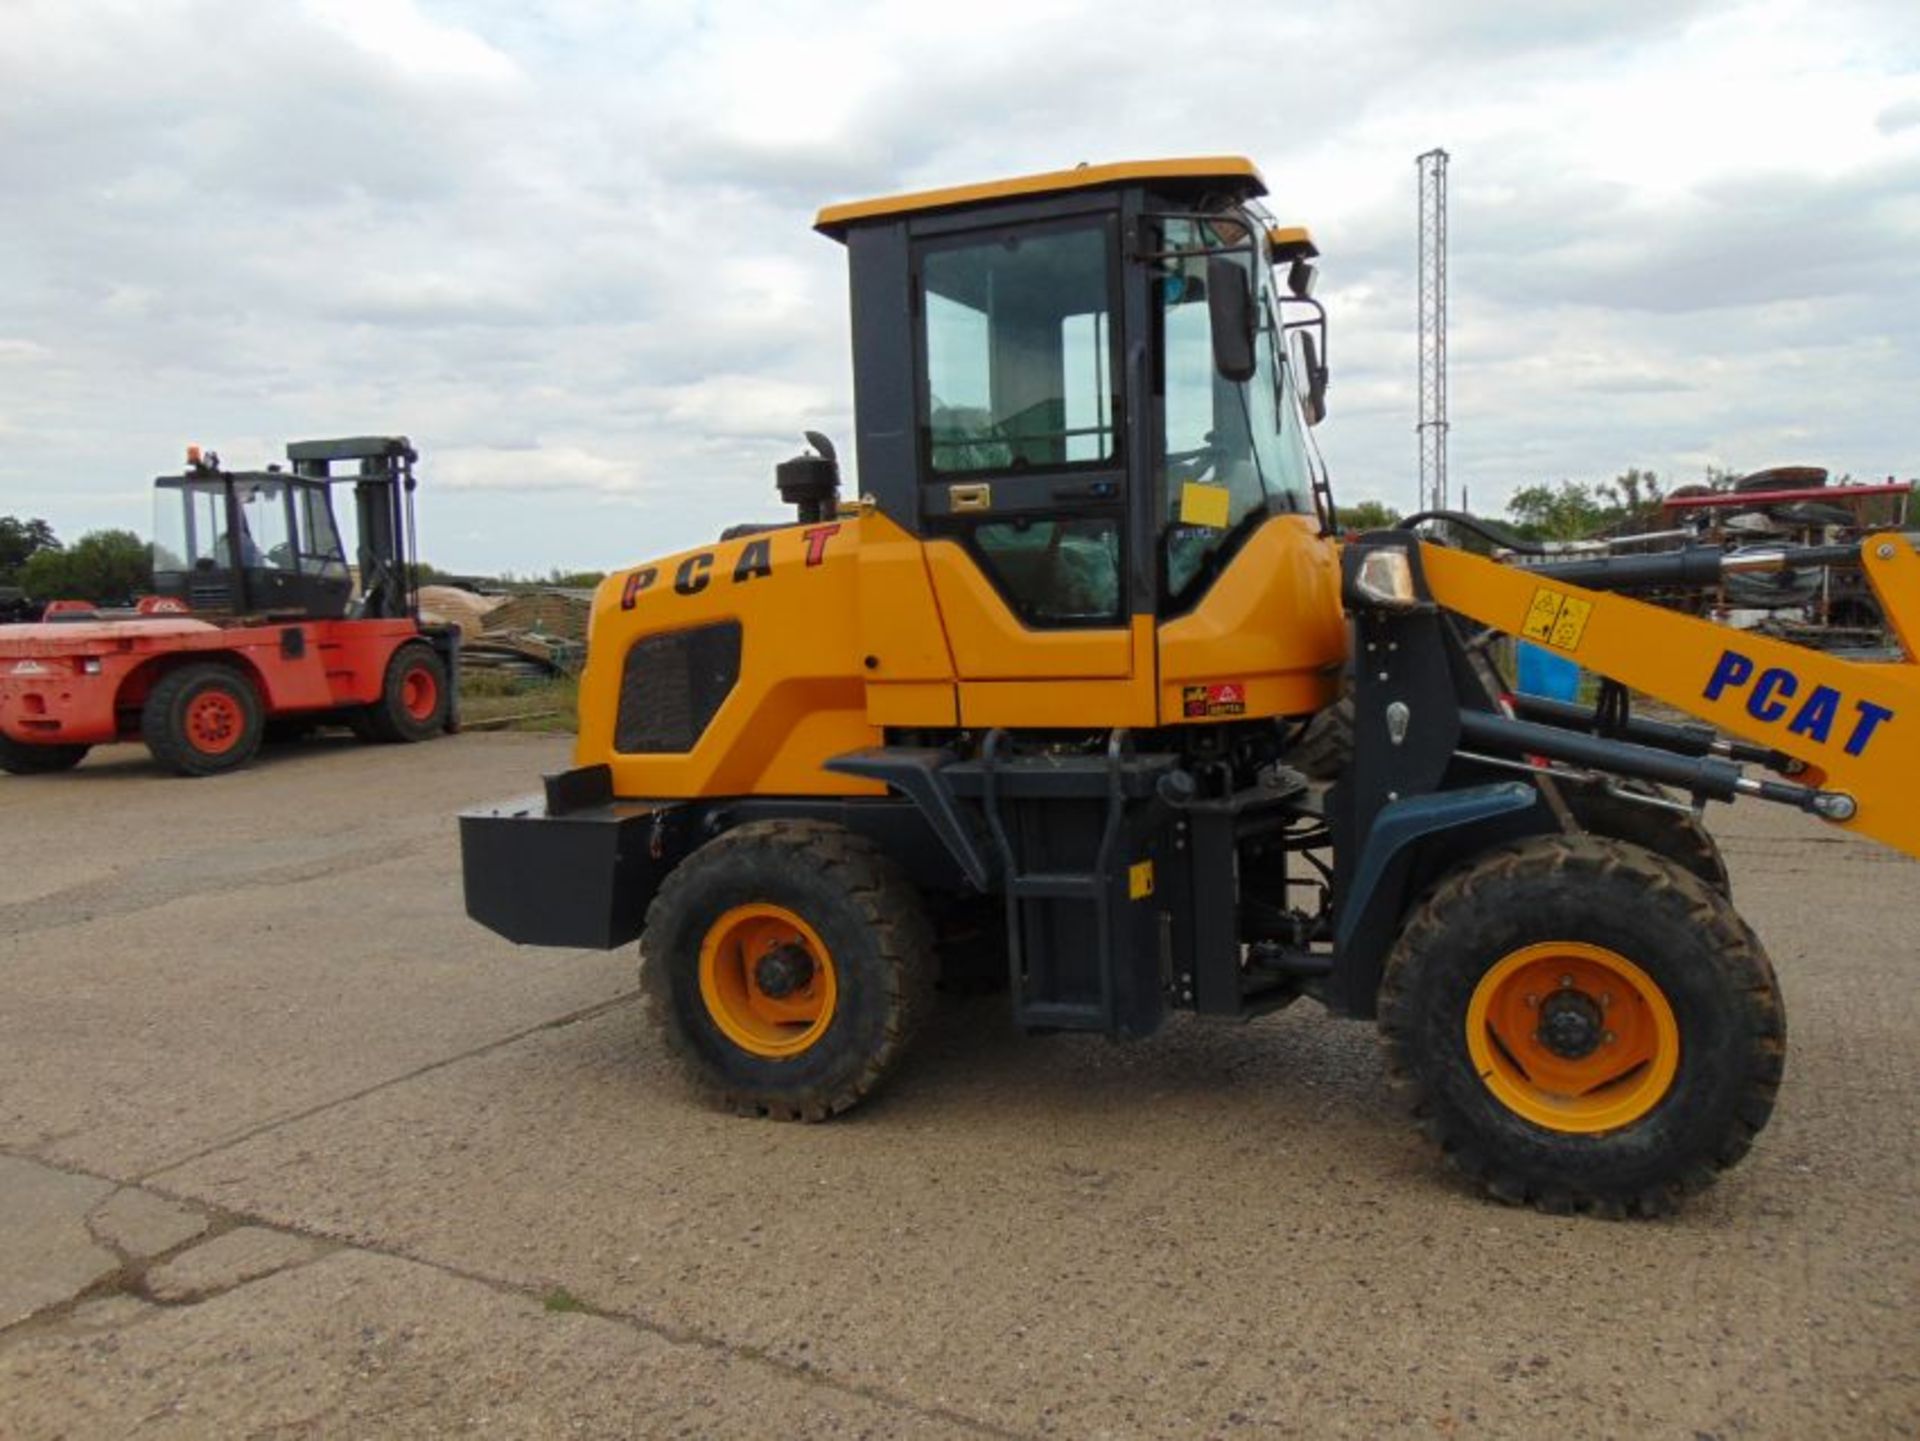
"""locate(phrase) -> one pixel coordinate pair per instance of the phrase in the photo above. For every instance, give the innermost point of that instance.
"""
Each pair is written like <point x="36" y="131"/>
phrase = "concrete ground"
<point x="288" y="1146"/>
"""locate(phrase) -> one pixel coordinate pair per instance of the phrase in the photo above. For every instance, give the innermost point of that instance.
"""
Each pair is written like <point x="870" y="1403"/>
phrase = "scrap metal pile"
<point x="535" y="635"/>
<point x="1757" y="519"/>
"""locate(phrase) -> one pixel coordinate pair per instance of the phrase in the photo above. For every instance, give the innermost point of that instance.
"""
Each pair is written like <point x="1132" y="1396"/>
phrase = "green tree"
<point x="1632" y="491"/>
<point x="107" y="567"/>
<point x="1367" y="515"/>
<point x="19" y="540"/>
<point x="1565" y="510"/>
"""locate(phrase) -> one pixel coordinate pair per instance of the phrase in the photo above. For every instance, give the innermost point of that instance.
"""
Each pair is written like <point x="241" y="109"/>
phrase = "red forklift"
<point x="253" y="626"/>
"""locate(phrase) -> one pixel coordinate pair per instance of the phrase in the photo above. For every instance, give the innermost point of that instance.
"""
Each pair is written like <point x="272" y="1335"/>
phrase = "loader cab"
<point x="1085" y="392"/>
<point x="266" y="542"/>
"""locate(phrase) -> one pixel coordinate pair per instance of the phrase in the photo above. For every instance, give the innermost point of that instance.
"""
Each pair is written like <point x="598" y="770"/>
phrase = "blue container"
<point x="1543" y="673"/>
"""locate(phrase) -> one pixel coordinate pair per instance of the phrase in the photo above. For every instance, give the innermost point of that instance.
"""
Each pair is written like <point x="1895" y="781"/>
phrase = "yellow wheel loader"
<point x="1083" y="683"/>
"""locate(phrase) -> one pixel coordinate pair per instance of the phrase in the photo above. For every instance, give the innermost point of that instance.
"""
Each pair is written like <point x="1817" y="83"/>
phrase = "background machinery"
<point x="254" y="623"/>
<point x="1084" y="666"/>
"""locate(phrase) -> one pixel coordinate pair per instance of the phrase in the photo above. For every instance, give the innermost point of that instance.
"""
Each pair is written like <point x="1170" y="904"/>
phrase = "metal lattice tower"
<point x="1432" y="428"/>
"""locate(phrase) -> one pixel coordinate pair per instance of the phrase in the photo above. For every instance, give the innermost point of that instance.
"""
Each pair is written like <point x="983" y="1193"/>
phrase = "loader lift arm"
<point x="1847" y="722"/>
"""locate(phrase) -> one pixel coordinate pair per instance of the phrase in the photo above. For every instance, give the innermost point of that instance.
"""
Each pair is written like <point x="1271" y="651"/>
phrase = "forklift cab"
<point x="265" y="542"/>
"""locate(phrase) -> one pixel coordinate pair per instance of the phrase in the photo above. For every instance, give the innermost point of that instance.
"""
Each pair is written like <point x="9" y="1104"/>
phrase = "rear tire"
<point x="21" y="758"/>
<point x="851" y="936"/>
<point x="201" y="720"/>
<point x="1623" y="954"/>
<point x="414" y="698"/>
<point x="1325" y="748"/>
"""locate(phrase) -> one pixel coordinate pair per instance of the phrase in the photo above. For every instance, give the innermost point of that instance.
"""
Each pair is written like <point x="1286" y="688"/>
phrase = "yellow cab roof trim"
<point x="836" y="218"/>
<point x="1285" y="242"/>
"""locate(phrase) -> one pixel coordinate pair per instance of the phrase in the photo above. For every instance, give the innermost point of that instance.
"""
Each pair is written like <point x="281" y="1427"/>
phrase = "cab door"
<point x="1023" y="488"/>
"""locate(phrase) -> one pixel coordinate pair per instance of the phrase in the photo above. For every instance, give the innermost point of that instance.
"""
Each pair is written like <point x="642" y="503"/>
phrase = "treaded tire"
<point x="1687" y="939"/>
<point x="20" y="758"/>
<point x="391" y="718"/>
<point x="1781" y="477"/>
<point x="168" y="727"/>
<point x="869" y="917"/>
<point x="1326" y="749"/>
<point x="1682" y="839"/>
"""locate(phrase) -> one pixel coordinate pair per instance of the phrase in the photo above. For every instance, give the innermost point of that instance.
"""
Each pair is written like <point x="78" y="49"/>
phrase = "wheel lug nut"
<point x="1533" y="1002"/>
<point x="1606" y="998"/>
<point x="1566" y="983"/>
<point x="1610" y="1038"/>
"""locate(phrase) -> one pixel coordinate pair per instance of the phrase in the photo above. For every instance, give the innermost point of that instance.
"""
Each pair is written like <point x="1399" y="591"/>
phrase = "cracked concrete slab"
<point x="140" y="1224"/>
<point x="1219" y="1230"/>
<point x="229" y="1260"/>
<point x="364" y="1345"/>
<point x="136" y="1037"/>
<point x="46" y="1254"/>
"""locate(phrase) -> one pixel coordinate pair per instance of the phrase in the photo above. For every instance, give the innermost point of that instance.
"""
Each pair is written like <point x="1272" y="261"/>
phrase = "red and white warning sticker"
<point x="1203" y="701"/>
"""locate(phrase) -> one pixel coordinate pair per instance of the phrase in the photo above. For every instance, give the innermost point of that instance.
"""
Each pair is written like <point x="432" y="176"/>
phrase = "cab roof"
<point x="1196" y="174"/>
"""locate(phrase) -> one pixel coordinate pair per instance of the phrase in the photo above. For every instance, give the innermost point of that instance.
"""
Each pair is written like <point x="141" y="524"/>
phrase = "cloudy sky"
<point x="565" y="244"/>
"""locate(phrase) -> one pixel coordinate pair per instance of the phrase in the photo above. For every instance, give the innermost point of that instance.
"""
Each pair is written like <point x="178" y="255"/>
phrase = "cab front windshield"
<point x="1235" y="452"/>
<point x="282" y="525"/>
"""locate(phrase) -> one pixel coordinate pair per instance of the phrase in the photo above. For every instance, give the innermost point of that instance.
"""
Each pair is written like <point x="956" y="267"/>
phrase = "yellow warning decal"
<point x="1572" y="624"/>
<point x="1556" y="619"/>
<point x="1204" y="505"/>
<point x="1139" y="880"/>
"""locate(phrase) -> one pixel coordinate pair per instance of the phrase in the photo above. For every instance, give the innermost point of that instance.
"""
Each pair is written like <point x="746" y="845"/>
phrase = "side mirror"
<point x="1230" y="308"/>
<point x="1314" y="402"/>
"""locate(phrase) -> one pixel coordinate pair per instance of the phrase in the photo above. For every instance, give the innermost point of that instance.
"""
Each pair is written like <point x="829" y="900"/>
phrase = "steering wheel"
<point x="1187" y="466"/>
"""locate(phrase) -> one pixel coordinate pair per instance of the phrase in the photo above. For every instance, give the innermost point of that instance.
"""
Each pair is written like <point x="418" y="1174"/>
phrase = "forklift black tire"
<point x="202" y="720"/>
<point x="414" y="697"/>
<point x="21" y="758"/>
<point x="1583" y="1026"/>
<point x="787" y="965"/>
<point x="1678" y="836"/>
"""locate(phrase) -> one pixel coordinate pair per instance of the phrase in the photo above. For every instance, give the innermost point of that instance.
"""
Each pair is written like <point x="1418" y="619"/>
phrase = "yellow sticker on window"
<point x="1204" y="504"/>
<point x="1556" y="619"/>
<point x="1139" y="880"/>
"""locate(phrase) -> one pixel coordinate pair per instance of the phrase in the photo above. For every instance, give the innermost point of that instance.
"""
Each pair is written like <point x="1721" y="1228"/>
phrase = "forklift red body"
<point x="253" y="625"/>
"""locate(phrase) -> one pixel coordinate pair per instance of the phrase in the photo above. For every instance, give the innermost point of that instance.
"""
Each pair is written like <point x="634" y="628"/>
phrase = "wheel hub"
<point x="1572" y="1036"/>
<point x="1570" y="1025"/>
<point x="782" y="970"/>
<point x="767" y="980"/>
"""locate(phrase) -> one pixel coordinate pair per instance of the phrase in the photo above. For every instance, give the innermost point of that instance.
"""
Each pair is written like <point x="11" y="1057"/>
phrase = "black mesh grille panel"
<point x="672" y="685"/>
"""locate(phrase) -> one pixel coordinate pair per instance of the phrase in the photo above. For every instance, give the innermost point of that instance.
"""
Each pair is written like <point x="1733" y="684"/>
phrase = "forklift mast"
<point x="383" y="512"/>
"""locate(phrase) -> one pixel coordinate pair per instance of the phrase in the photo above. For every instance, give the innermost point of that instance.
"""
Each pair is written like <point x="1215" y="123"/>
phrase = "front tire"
<point x="1678" y="836"/>
<point x="788" y="965"/>
<point x="20" y="758"/>
<point x="414" y="697"/>
<point x="201" y="720"/>
<point x="1582" y="1025"/>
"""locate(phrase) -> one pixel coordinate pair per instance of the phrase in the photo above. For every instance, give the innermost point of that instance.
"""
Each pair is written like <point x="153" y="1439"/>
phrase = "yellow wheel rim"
<point x="1574" y="1037"/>
<point x="767" y="980"/>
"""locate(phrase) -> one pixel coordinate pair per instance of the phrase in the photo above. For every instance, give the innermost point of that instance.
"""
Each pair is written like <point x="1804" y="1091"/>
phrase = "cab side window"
<point x="1018" y="384"/>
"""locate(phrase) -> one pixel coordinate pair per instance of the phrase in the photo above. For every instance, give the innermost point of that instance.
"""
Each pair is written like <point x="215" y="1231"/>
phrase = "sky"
<point x="566" y="245"/>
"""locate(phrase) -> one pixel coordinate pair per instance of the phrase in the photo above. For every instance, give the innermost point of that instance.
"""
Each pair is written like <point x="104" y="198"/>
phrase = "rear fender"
<point x="140" y="681"/>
